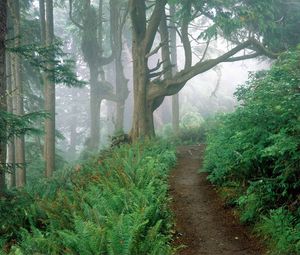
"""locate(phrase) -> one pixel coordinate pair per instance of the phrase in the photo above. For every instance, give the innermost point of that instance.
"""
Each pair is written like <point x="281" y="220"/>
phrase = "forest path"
<point x="203" y="224"/>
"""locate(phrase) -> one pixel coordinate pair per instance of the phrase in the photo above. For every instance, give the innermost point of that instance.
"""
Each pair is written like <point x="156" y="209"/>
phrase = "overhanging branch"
<point x="244" y="57"/>
<point x="174" y="85"/>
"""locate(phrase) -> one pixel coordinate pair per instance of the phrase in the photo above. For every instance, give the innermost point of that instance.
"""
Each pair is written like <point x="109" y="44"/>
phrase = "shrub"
<point x="115" y="203"/>
<point x="281" y="230"/>
<point x="258" y="146"/>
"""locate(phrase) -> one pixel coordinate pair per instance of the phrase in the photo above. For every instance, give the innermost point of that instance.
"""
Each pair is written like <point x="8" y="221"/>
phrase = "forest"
<point x="150" y="127"/>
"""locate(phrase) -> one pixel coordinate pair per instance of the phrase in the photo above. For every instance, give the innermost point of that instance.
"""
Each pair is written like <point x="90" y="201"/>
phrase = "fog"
<point x="203" y="96"/>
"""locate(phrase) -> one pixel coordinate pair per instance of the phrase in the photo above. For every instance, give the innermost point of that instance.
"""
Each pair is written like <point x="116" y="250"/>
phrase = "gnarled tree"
<point x="152" y="85"/>
<point x="93" y="52"/>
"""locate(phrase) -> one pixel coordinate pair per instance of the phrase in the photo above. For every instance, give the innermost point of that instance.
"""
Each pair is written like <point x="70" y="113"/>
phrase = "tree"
<point x="11" y="156"/>
<point x="118" y="19"/>
<point x="149" y="86"/>
<point x="3" y="16"/>
<point x="92" y="45"/>
<point x="173" y="46"/>
<point x="92" y="49"/>
<point x="18" y="94"/>
<point x="49" y="96"/>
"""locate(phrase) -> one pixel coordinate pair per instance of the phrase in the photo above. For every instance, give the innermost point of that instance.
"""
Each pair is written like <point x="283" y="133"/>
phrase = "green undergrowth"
<point x="188" y="135"/>
<point x="253" y="154"/>
<point x="115" y="203"/>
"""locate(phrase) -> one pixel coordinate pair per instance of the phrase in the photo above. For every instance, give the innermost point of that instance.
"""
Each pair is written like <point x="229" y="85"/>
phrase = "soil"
<point x="203" y="224"/>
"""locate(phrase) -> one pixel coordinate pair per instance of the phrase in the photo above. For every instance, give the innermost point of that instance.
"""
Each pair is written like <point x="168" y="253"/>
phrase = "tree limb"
<point x="155" y="50"/>
<point x="244" y="57"/>
<point x="186" y="41"/>
<point x="71" y="16"/>
<point x="159" y="74"/>
<point x="172" y="86"/>
<point x="158" y="65"/>
<point x="205" y="51"/>
<point x="153" y="24"/>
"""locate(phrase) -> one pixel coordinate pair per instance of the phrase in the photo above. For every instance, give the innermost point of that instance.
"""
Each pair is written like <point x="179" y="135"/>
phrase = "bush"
<point x="281" y="230"/>
<point x="115" y="203"/>
<point x="258" y="146"/>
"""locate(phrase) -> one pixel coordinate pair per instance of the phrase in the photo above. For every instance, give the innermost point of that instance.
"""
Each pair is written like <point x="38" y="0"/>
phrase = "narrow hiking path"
<point x="203" y="224"/>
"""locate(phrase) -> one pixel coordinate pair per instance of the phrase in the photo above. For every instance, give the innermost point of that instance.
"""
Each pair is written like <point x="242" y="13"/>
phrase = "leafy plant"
<point x="258" y="146"/>
<point x="115" y="203"/>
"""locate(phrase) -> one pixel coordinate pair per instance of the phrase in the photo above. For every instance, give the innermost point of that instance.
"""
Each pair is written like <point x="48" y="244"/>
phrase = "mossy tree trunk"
<point x="3" y="17"/>
<point x="18" y="95"/>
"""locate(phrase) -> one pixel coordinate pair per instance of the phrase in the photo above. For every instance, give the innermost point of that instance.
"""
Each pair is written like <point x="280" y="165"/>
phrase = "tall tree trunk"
<point x="143" y="35"/>
<point x="50" y="98"/>
<point x="20" y="140"/>
<point x="3" y="16"/>
<point x="117" y="24"/>
<point x="73" y="127"/>
<point x="94" y="108"/>
<point x="142" y="125"/>
<point x="175" y="113"/>
<point x="142" y="121"/>
<point x="93" y="42"/>
<point x="173" y="46"/>
<point x="11" y="159"/>
<point x="121" y="87"/>
<point x="42" y="12"/>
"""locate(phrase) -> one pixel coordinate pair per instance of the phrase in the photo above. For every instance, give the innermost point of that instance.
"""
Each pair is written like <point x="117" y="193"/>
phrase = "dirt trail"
<point x="202" y="222"/>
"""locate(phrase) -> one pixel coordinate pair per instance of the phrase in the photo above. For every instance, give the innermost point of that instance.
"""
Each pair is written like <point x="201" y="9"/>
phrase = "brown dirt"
<point x="203" y="224"/>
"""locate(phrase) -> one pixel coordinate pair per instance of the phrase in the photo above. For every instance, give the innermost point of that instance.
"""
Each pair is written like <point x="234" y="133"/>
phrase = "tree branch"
<point x="156" y="49"/>
<point x="168" y="87"/>
<point x="205" y="51"/>
<point x="158" y="65"/>
<point x="154" y="23"/>
<point x="185" y="39"/>
<point x="161" y="73"/>
<point x="71" y="16"/>
<point x="244" y="57"/>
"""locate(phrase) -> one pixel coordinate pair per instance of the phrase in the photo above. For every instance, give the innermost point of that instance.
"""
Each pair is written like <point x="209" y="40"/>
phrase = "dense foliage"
<point x="115" y="203"/>
<point x="256" y="151"/>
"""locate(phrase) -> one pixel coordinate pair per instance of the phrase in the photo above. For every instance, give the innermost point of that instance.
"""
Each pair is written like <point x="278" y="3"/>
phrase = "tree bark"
<point x="117" y="24"/>
<point x="142" y="40"/>
<point x="50" y="98"/>
<point x="94" y="109"/>
<point x="11" y="159"/>
<point x="149" y="87"/>
<point x="3" y="17"/>
<point x="173" y="46"/>
<point x="18" y="94"/>
<point x="73" y="127"/>
<point x="143" y="125"/>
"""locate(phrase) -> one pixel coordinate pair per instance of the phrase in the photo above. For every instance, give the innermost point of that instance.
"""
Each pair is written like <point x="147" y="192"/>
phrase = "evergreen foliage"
<point x="256" y="151"/>
<point x="115" y="203"/>
<point x="41" y="56"/>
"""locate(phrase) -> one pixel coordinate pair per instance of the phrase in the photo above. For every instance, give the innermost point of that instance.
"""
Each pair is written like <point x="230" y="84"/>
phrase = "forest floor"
<point x="203" y="224"/>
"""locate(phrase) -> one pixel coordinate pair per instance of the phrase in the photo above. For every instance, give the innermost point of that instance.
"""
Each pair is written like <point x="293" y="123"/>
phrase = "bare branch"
<point x="244" y="57"/>
<point x="185" y="40"/>
<point x="205" y="51"/>
<point x="172" y="86"/>
<point x="219" y="74"/>
<point x="157" y="48"/>
<point x="71" y="16"/>
<point x="161" y="73"/>
<point x="159" y="63"/>
<point x="154" y="23"/>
